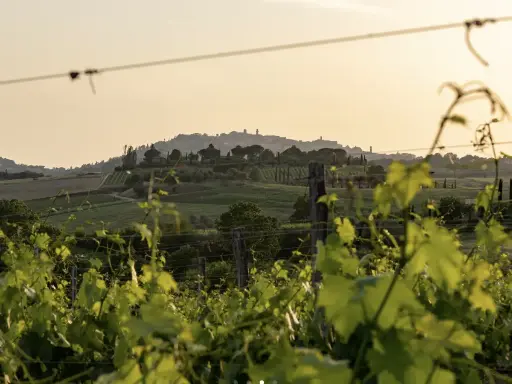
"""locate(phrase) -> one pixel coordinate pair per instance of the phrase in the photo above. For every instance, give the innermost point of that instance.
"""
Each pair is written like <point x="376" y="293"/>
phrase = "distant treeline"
<point x="20" y="175"/>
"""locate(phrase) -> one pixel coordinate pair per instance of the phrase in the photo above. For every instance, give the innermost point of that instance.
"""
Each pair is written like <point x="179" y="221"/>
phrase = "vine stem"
<point x="74" y="377"/>
<point x="487" y="371"/>
<point x="496" y="169"/>
<point x="431" y="374"/>
<point x="403" y="261"/>
<point x="489" y="215"/>
<point x="442" y="126"/>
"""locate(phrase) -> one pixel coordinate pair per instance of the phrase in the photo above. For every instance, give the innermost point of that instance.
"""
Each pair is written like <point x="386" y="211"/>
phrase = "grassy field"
<point x="212" y="199"/>
<point x="71" y="202"/>
<point x="209" y="199"/>
<point x="29" y="189"/>
<point x="276" y="200"/>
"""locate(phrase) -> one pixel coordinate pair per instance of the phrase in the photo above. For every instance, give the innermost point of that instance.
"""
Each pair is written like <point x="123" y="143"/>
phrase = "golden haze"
<point x="380" y="93"/>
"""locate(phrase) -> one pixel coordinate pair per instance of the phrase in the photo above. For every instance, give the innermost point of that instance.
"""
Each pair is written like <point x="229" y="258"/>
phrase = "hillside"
<point x="225" y="142"/>
<point x="12" y="167"/>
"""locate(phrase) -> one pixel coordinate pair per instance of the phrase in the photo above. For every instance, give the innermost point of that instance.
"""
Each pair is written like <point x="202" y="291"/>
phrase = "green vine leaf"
<point x="438" y="255"/>
<point x="166" y="282"/>
<point x="145" y="233"/>
<point x="483" y="199"/>
<point x="448" y="334"/>
<point x="392" y="361"/>
<point x="478" y="297"/>
<point x="405" y="182"/>
<point x="345" y="230"/>
<point x="491" y="237"/>
<point x="63" y="252"/>
<point x="335" y="304"/>
<point x="328" y="200"/>
<point x="400" y="300"/>
<point x="42" y="241"/>
<point x="129" y="373"/>
<point x="299" y="365"/>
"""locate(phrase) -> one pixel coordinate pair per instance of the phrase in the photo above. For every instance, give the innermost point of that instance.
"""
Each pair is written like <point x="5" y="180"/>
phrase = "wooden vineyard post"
<point x="510" y="191"/>
<point x="249" y="267"/>
<point x="318" y="213"/>
<point x="73" y="284"/>
<point x="500" y="190"/>
<point x="202" y="276"/>
<point x="241" y="257"/>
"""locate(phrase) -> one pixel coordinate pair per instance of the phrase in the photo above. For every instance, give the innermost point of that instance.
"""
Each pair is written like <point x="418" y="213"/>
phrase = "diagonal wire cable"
<point x="441" y="147"/>
<point x="73" y="75"/>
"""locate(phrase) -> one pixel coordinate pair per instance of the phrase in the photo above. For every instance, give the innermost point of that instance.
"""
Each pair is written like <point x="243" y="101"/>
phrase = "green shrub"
<point x="180" y="260"/>
<point x="262" y="239"/>
<point x="206" y="221"/>
<point x="140" y="189"/>
<point x="235" y="174"/>
<point x="300" y="209"/>
<point x="16" y="216"/>
<point x="256" y="174"/>
<point x="451" y="208"/>
<point x="185" y="176"/>
<point x="198" y="177"/>
<point x="133" y="179"/>
<point x="220" y="274"/>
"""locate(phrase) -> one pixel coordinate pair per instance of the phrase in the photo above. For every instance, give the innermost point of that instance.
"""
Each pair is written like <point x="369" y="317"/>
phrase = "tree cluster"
<point x="292" y="156"/>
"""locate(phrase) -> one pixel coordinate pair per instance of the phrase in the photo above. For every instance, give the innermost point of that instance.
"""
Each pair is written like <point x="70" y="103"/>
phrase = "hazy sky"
<point x="380" y="93"/>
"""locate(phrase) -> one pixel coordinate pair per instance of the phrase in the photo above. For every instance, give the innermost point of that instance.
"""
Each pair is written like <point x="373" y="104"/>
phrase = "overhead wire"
<point x="439" y="148"/>
<point x="90" y="72"/>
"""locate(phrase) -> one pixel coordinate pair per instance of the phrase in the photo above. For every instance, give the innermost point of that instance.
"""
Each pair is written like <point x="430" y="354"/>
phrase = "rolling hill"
<point x="187" y="143"/>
